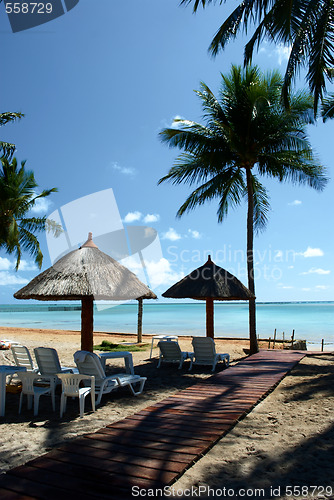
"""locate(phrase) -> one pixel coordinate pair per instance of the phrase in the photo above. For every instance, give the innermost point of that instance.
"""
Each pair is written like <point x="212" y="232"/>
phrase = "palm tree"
<point x="7" y="149"/>
<point x="306" y="25"/>
<point x="17" y="197"/>
<point x="248" y="134"/>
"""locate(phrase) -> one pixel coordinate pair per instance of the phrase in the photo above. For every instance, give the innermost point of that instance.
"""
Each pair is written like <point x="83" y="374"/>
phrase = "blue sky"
<point x="96" y="86"/>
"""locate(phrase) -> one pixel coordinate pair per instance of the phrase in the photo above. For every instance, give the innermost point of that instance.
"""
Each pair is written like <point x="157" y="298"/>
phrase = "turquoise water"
<point x="312" y="321"/>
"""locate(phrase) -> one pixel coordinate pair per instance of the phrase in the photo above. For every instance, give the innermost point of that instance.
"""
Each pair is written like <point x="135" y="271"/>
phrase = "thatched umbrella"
<point x="86" y="274"/>
<point x="209" y="282"/>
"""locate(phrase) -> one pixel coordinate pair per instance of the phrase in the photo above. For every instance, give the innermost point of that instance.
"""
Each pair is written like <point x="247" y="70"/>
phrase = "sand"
<point x="287" y="440"/>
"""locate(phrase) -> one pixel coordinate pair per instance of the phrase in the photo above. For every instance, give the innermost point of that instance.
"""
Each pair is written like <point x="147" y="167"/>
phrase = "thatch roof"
<point x="86" y="272"/>
<point x="209" y="281"/>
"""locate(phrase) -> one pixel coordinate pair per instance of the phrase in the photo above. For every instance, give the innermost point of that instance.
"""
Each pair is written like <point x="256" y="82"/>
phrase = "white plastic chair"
<point x="30" y="389"/>
<point x="170" y="352"/>
<point x="205" y="353"/>
<point x="48" y="362"/>
<point x="89" y="363"/>
<point x="71" y="388"/>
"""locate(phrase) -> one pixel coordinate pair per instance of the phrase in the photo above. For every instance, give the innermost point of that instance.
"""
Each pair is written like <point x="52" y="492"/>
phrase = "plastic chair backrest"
<point x="169" y="349"/>
<point x="89" y="363"/>
<point x="27" y="379"/>
<point x="71" y="382"/>
<point x="204" y="348"/>
<point x="22" y="357"/>
<point x="47" y="360"/>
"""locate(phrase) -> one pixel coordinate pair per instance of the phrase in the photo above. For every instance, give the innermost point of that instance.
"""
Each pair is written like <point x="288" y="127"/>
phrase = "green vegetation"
<point x="18" y="197"/>
<point x="6" y="148"/>
<point x="110" y="346"/>
<point x="304" y="25"/>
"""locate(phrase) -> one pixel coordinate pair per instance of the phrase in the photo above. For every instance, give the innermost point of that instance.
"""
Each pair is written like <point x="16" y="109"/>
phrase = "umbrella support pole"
<point x="87" y="305"/>
<point x="209" y="318"/>
<point x="140" y="321"/>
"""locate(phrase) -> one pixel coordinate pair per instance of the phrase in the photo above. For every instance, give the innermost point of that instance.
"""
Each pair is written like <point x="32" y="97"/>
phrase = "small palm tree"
<point x="248" y="134"/>
<point x="17" y="197"/>
<point x="306" y="25"/>
<point x="7" y="149"/>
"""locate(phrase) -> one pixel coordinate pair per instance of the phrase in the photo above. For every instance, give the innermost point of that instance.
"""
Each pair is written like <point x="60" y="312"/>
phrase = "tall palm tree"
<point x="248" y="134"/>
<point x="6" y="148"/>
<point x="306" y="25"/>
<point x="17" y="197"/>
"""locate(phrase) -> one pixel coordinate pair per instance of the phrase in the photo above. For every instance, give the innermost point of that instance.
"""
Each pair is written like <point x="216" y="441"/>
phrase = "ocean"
<point x="312" y="321"/>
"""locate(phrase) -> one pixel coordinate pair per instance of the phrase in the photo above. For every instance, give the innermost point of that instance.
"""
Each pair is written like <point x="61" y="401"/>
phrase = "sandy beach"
<point x="286" y="440"/>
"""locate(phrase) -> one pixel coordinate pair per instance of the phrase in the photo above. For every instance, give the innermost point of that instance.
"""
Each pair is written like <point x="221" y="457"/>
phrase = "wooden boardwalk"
<point x="156" y="445"/>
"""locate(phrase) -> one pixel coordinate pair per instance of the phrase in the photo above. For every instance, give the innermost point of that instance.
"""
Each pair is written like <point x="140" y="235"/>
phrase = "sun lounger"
<point x="48" y="362"/>
<point x="205" y="353"/>
<point x="170" y="352"/>
<point x="89" y="363"/>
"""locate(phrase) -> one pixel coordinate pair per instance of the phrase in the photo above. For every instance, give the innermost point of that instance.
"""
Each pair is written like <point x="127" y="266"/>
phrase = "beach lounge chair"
<point x="205" y="353"/>
<point x="31" y="389"/>
<point x="71" y="388"/>
<point x="22" y="357"/>
<point x="89" y="363"/>
<point x="170" y="352"/>
<point x="48" y="362"/>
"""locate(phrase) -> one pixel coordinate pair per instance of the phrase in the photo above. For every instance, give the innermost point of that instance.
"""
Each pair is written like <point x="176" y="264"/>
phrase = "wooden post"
<point x="87" y="323"/>
<point x="274" y="339"/>
<point x="292" y="338"/>
<point x="140" y="321"/>
<point x="209" y="318"/>
<point x="269" y="342"/>
<point x="322" y="345"/>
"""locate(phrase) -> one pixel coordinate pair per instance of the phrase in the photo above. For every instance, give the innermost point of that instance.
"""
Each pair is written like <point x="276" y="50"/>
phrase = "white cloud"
<point x="176" y="124"/>
<point x="161" y="273"/>
<point x="284" y="287"/>
<point x="322" y="287"/>
<point x="123" y="170"/>
<point x="42" y="206"/>
<point x="194" y="234"/>
<point x="281" y="52"/>
<point x="5" y="264"/>
<point x="133" y="216"/>
<point x="7" y="278"/>
<point x="291" y="267"/>
<point x="295" y="203"/>
<point x="171" y="235"/>
<point x="311" y="252"/>
<point x="313" y="270"/>
<point x="306" y="289"/>
<point x="151" y="218"/>
<point x="27" y="266"/>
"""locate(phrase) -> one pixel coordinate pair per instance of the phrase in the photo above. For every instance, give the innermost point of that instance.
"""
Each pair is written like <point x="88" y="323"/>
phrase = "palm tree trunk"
<point x="250" y="263"/>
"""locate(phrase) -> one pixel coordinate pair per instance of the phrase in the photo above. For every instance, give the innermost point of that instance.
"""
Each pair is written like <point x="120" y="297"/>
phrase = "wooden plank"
<point x="169" y="429"/>
<point x="104" y="474"/>
<point x="101" y="449"/>
<point x="12" y="495"/>
<point x="61" y="481"/>
<point x="104" y="458"/>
